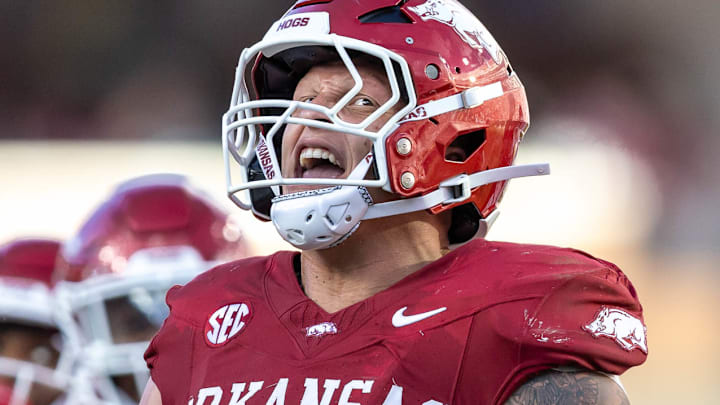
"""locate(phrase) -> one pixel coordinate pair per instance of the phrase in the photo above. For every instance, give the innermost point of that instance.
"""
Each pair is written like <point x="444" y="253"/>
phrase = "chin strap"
<point x="455" y="189"/>
<point x="309" y="222"/>
<point x="469" y="98"/>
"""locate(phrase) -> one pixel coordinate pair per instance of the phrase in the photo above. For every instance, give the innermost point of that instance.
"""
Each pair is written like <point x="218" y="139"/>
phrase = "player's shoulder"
<point x="220" y="285"/>
<point x="235" y="273"/>
<point x="540" y="257"/>
<point x="547" y="305"/>
<point x="536" y="267"/>
<point x="485" y="274"/>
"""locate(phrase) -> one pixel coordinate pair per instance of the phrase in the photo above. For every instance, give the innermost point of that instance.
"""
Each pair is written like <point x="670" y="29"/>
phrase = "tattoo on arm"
<point x="569" y="388"/>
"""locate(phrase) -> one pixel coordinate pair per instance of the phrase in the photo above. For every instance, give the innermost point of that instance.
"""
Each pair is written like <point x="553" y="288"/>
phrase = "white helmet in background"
<point x="35" y="362"/>
<point x="154" y="232"/>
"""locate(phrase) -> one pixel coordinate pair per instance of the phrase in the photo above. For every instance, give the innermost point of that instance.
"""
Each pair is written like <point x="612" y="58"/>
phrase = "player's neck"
<point x="379" y="254"/>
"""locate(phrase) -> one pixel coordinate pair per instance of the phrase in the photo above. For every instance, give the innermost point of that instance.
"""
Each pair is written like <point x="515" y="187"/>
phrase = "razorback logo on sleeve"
<point x="226" y="322"/>
<point x="627" y="330"/>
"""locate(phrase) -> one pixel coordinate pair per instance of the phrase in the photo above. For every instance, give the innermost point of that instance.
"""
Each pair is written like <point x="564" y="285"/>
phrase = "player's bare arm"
<point x="569" y="388"/>
<point x="151" y="395"/>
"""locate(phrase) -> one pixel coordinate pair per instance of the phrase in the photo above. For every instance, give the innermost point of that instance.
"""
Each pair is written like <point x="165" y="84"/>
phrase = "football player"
<point x="152" y="233"/>
<point x="378" y="137"/>
<point x="34" y="367"/>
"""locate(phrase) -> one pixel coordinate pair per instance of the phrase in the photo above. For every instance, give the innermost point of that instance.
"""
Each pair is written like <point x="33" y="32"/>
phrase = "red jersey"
<point x="466" y="329"/>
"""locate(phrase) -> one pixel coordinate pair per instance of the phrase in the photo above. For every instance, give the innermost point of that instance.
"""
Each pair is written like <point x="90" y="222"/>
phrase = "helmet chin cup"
<point x="319" y="219"/>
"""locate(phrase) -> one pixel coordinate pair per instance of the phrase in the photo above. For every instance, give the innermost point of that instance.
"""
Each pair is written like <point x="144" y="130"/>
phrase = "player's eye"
<point x="364" y="102"/>
<point x="307" y="99"/>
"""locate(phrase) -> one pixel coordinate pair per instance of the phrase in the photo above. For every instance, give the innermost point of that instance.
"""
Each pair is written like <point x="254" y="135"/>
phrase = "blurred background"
<point x="624" y="101"/>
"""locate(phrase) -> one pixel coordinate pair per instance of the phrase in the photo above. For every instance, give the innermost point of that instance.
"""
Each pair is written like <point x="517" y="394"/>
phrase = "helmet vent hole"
<point x="392" y="14"/>
<point x="457" y="69"/>
<point x="462" y="147"/>
<point x="310" y="3"/>
<point x="434" y="121"/>
<point x="509" y="70"/>
<point x="348" y="218"/>
<point x="309" y="218"/>
<point x="323" y="238"/>
<point x="295" y="235"/>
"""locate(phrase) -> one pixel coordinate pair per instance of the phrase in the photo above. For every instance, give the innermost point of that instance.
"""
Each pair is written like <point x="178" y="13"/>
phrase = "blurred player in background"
<point x="152" y="233"/>
<point x="407" y="116"/>
<point x="34" y="364"/>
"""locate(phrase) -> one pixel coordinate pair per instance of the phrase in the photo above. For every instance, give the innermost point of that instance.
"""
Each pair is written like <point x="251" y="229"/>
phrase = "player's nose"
<point x="317" y="114"/>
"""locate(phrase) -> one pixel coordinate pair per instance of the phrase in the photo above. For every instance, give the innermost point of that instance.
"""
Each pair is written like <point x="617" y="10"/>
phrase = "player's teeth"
<point x="316" y="153"/>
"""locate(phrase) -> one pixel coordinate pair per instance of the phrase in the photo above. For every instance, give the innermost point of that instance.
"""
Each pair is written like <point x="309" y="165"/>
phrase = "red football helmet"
<point x="152" y="233"/>
<point x="453" y="89"/>
<point x="32" y="260"/>
<point x="154" y="211"/>
<point x="34" y="363"/>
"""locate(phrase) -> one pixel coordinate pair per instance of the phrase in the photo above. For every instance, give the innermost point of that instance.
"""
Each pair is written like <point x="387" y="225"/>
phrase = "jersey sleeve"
<point x="588" y="319"/>
<point x="170" y="354"/>
<point x="591" y="320"/>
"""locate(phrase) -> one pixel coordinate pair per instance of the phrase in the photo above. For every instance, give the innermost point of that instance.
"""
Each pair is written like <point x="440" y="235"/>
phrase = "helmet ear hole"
<point x="464" y="223"/>
<point x="261" y="197"/>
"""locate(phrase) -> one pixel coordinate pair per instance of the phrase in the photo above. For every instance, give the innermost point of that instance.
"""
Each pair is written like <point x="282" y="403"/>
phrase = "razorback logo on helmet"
<point x="226" y="322"/>
<point x="466" y="25"/>
<point x="627" y="330"/>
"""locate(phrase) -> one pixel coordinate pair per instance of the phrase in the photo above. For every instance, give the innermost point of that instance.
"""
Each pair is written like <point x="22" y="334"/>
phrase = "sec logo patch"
<point x="226" y="323"/>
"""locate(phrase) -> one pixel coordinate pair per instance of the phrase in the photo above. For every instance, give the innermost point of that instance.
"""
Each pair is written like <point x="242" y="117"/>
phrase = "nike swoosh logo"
<point x="399" y="319"/>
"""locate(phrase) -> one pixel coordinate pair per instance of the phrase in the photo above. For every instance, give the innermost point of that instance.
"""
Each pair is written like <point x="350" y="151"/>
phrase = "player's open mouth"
<point x="319" y="163"/>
